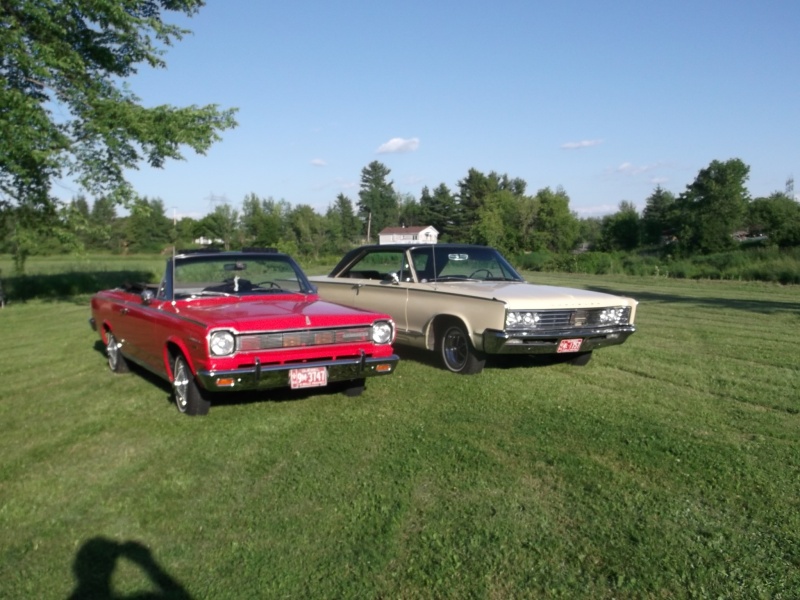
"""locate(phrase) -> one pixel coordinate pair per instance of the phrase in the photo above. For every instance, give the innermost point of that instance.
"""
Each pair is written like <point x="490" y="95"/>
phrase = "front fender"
<point x="174" y="345"/>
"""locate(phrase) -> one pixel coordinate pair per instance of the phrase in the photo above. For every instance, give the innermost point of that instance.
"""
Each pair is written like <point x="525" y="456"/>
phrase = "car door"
<point x="378" y="281"/>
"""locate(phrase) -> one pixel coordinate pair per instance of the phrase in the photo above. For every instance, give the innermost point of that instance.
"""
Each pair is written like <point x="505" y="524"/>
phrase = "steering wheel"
<point x="272" y="285"/>
<point x="489" y="274"/>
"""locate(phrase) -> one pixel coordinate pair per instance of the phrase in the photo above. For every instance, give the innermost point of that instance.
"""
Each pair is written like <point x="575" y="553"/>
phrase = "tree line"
<point x="713" y="214"/>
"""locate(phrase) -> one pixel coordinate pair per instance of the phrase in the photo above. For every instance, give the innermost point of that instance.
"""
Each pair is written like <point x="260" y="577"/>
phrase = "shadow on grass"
<point x="509" y="361"/>
<point x="21" y="288"/>
<point x="97" y="559"/>
<point x="233" y="398"/>
<point x="758" y="306"/>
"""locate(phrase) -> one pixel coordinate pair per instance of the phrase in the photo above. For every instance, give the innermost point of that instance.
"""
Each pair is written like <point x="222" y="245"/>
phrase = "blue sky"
<point x="605" y="99"/>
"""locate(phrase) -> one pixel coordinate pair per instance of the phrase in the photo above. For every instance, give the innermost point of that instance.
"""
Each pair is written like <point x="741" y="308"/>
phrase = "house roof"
<point x="395" y="230"/>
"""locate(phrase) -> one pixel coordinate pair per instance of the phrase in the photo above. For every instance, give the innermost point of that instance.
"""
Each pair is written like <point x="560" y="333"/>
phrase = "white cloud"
<point x="581" y="144"/>
<point x="318" y="162"/>
<point x="398" y="145"/>
<point x="628" y="168"/>
<point x="598" y="210"/>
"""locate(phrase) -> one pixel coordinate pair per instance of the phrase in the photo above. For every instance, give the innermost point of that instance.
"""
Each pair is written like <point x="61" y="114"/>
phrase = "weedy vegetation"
<point x="669" y="467"/>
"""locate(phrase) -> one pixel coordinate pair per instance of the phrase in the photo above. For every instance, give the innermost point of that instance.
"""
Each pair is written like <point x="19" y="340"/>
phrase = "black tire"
<point x="355" y="388"/>
<point x="189" y="397"/>
<point x="580" y="360"/>
<point x="457" y="352"/>
<point x="116" y="362"/>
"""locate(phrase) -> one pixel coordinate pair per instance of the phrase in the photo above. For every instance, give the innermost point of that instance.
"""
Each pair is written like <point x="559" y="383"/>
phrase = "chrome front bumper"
<point x="260" y="377"/>
<point x="546" y="342"/>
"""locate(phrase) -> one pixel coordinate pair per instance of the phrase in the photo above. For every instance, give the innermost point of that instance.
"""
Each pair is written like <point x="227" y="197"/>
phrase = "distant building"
<point x="408" y="235"/>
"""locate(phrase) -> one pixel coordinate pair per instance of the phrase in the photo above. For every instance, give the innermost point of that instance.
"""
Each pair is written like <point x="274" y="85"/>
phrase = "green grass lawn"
<point x="668" y="467"/>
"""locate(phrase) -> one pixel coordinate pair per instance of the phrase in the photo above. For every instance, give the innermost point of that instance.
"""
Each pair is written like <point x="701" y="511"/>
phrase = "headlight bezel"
<point x="521" y="319"/>
<point x="382" y="332"/>
<point x="221" y="343"/>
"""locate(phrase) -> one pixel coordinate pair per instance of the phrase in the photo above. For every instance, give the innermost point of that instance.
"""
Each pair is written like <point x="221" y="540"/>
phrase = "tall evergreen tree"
<point x="658" y="217"/>
<point x="439" y="211"/>
<point x="377" y="201"/>
<point x="344" y="225"/>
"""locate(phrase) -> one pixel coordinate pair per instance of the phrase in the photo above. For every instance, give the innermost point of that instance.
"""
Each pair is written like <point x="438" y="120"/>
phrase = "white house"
<point x="408" y="235"/>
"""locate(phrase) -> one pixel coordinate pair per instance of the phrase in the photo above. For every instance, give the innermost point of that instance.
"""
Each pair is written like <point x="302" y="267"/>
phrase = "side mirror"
<point x="147" y="297"/>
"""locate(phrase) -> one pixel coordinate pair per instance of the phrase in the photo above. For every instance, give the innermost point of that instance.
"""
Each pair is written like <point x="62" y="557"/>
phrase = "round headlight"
<point x="382" y="332"/>
<point x="221" y="343"/>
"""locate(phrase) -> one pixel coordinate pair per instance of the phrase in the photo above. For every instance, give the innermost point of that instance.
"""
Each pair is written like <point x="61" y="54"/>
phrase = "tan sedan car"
<point x="467" y="302"/>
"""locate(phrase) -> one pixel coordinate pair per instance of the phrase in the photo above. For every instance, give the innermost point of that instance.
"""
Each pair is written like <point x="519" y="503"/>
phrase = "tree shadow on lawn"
<point x="758" y="306"/>
<point x="21" y="288"/>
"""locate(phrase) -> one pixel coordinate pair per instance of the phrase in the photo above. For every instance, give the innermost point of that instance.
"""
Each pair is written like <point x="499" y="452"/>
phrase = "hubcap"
<point x="112" y="350"/>
<point x="455" y="349"/>
<point x="181" y="385"/>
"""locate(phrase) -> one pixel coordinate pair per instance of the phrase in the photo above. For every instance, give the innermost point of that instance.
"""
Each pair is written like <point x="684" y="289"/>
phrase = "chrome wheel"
<point x="457" y="352"/>
<point x="181" y="384"/>
<point x="116" y="362"/>
<point x="189" y="397"/>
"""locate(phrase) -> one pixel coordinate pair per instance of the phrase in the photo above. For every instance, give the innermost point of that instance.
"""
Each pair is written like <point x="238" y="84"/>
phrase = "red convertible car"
<point x="230" y="321"/>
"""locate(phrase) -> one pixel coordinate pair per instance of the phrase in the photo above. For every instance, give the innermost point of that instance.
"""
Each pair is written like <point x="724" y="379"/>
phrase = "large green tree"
<point x="713" y="207"/>
<point x="147" y="229"/>
<point x="222" y="224"/>
<point x="474" y="191"/>
<point x="498" y="222"/>
<point x="622" y="230"/>
<point x="556" y="227"/>
<point x="263" y="221"/>
<point x="65" y="111"/>
<point x="777" y="217"/>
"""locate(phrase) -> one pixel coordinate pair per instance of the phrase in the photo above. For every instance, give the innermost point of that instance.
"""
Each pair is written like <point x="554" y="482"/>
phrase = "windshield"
<point x="237" y="274"/>
<point x="457" y="264"/>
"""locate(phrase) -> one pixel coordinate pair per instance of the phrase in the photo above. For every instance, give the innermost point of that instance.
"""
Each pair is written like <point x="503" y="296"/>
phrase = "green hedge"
<point x="752" y="264"/>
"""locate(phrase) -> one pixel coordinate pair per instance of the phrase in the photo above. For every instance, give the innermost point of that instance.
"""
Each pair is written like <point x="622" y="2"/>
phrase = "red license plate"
<point x="569" y="345"/>
<point x="308" y="377"/>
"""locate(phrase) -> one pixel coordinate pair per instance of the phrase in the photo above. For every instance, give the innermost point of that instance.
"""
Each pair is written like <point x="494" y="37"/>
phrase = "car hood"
<point x="521" y="295"/>
<point x="267" y="314"/>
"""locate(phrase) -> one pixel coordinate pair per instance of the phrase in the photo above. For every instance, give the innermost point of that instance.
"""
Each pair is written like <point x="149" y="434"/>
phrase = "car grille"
<point x="590" y="317"/>
<point x="575" y="318"/>
<point x="302" y="338"/>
